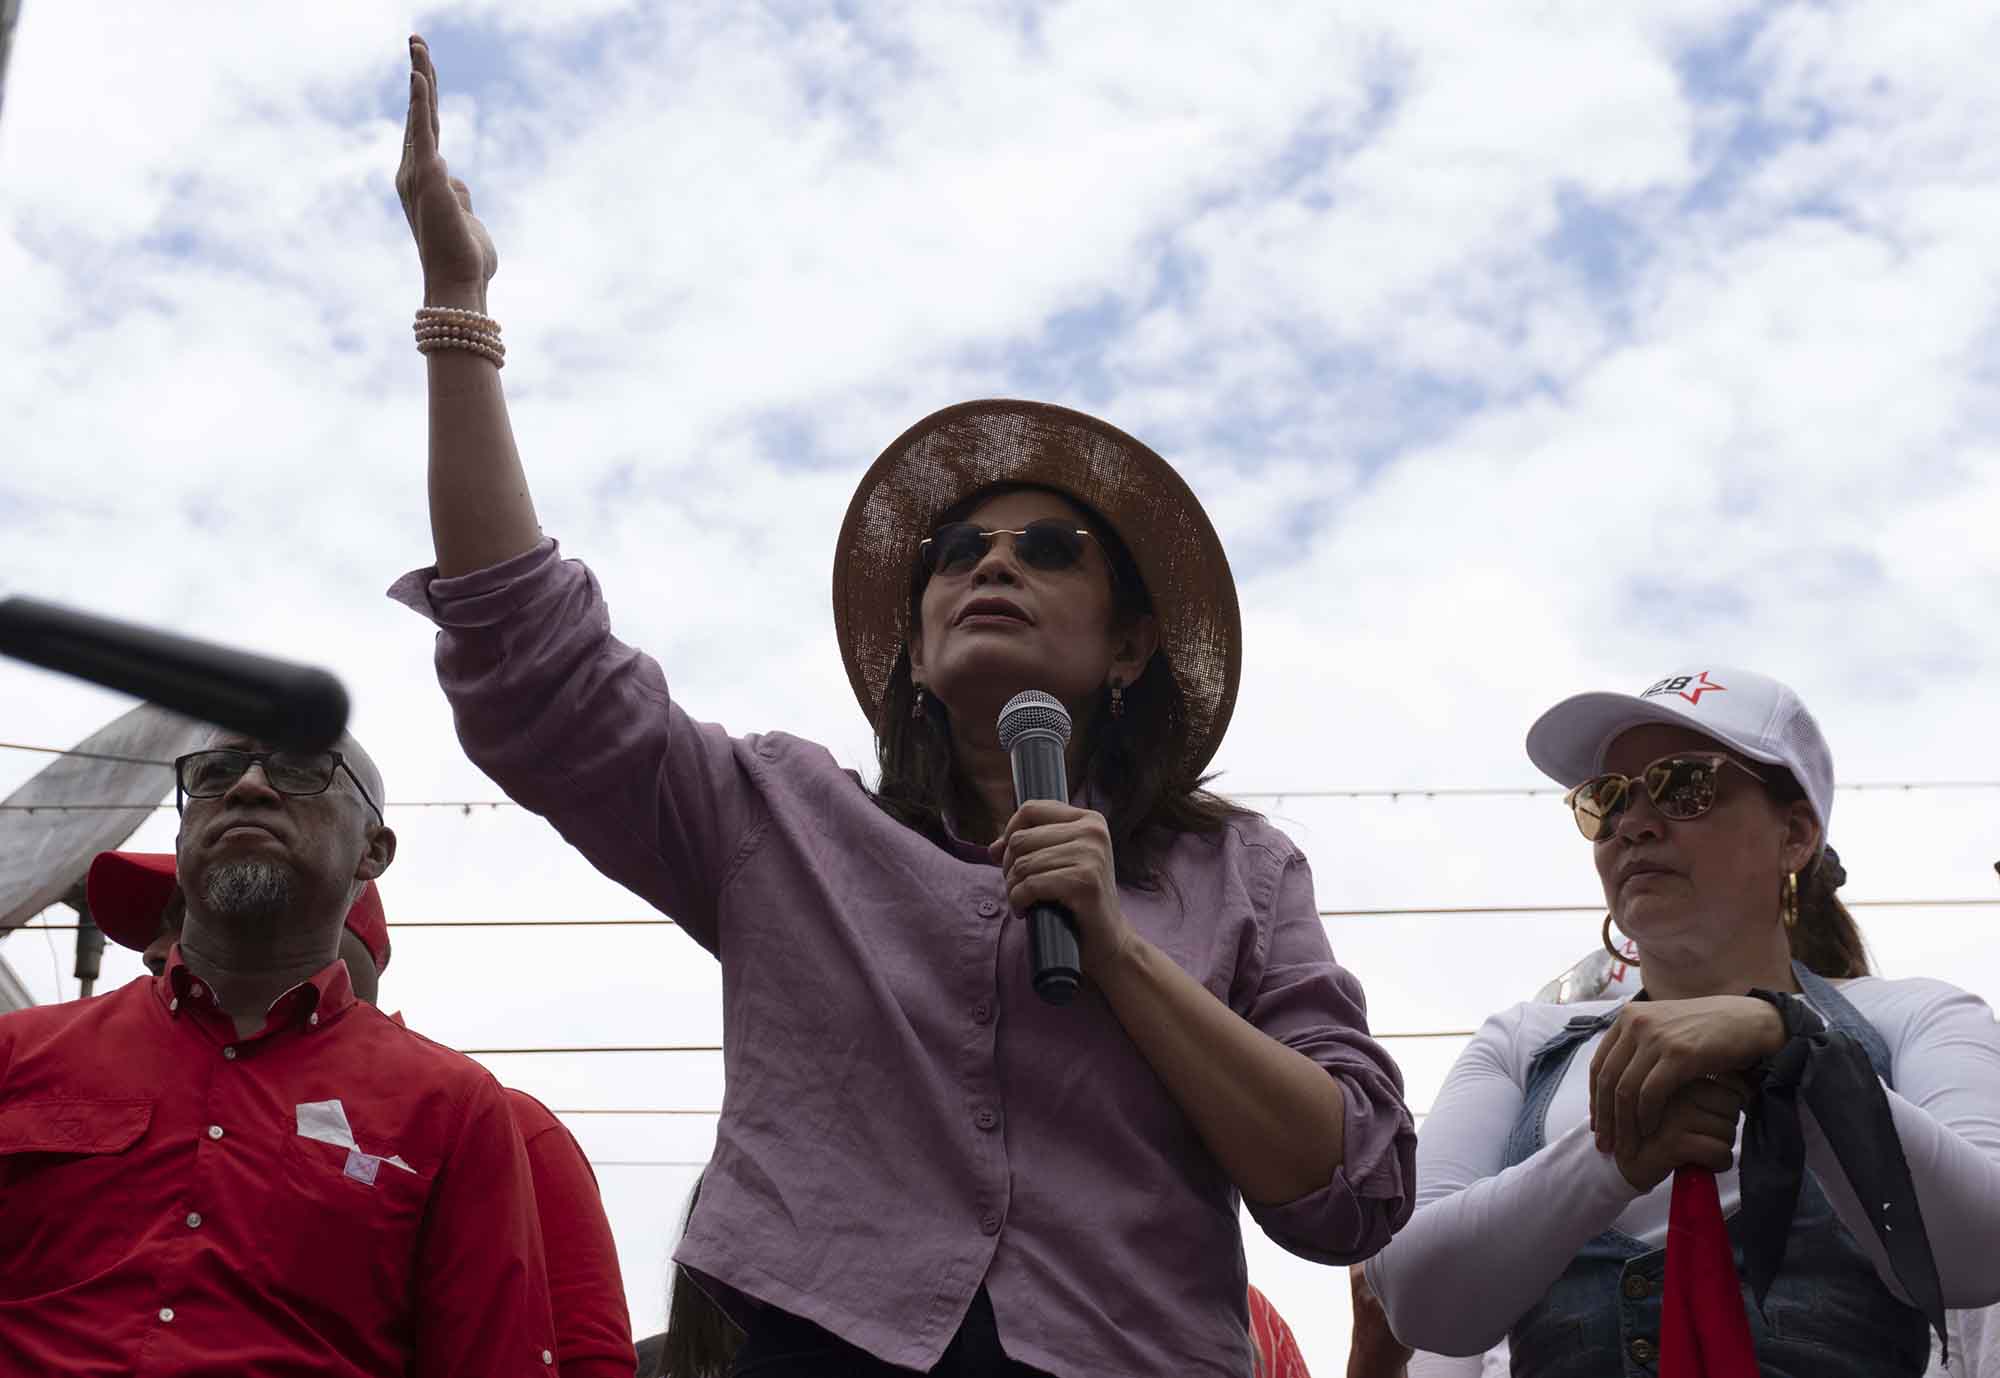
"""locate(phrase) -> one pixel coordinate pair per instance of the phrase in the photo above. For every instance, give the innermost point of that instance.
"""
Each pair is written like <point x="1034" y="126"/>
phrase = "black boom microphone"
<point x="1034" y="731"/>
<point x="296" y="707"/>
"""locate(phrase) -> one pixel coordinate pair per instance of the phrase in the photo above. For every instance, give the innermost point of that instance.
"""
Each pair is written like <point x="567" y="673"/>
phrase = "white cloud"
<point x="1513" y="354"/>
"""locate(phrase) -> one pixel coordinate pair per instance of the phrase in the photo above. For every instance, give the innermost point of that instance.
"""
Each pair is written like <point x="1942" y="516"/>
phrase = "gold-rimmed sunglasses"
<point x="1681" y="787"/>
<point x="1049" y="544"/>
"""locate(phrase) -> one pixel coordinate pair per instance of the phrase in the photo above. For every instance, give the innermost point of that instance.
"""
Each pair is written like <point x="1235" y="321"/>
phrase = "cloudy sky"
<point x="1514" y="349"/>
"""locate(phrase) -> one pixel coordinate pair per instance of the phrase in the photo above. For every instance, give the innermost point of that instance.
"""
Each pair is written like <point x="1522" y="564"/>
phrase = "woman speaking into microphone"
<point x="920" y="1164"/>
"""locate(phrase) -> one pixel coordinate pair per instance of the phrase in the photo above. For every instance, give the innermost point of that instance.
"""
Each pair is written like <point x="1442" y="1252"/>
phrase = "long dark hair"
<point x="700" y="1340"/>
<point x="1826" y="937"/>
<point x="1132" y="762"/>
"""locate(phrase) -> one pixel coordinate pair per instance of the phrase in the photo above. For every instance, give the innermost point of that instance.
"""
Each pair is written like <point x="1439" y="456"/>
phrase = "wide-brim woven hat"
<point x="952" y="454"/>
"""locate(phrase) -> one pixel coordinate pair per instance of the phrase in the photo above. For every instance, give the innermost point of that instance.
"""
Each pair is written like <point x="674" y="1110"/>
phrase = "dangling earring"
<point x="1791" y="906"/>
<point x="1616" y="955"/>
<point x="917" y="705"/>
<point x="1117" y="699"/>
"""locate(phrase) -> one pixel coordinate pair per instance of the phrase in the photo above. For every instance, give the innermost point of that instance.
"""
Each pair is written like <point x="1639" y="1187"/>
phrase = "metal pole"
<point x="10" y="14"/>
<point x="89" y="951"/>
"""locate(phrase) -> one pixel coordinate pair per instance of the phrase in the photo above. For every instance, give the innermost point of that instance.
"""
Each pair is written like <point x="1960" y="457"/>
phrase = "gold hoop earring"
<point x="1790" y="911"/>
<point x="917" y="705"/>
<point x="1616" y="955"/>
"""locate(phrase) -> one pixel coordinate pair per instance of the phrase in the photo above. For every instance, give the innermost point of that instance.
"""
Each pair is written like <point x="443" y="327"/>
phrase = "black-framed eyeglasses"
<point x="212" y="774"/>
<point x="1681" y="787"/>
<point x="1050" y="544"/>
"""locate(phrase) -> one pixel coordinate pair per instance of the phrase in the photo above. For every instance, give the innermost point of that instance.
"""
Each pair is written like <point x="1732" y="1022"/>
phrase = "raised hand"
<point x="1697" y="1129"/>
<point x="457" y="253"/>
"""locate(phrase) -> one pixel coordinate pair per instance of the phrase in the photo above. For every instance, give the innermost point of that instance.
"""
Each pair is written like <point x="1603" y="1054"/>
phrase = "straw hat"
<point x="954" y="453"/>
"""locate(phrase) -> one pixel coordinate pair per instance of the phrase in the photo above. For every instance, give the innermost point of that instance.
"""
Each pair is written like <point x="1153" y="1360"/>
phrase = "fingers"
<point x="1657" y="1085"/>
<point x="1607" y="1069"/>
<point x="420" y="54"/>
<point x="1045" y="859"/>
<point x="1625" y="1098"/>
<point x="1717" y="1153"/>
<point x="1716" y="1097"/>
<point x="420" y="143"/>
<point x="1032" y="824"/>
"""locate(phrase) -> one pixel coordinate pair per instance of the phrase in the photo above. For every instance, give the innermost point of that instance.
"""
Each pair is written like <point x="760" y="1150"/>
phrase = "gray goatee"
<point x="248" y="891"/>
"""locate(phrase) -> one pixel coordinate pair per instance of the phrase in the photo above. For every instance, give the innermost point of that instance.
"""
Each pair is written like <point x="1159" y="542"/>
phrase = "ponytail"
<point x="1826" y="938"/>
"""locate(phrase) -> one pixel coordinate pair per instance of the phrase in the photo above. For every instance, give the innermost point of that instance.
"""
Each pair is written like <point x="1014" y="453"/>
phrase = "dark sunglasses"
<point x="212" y="774"/>
<point x="1681" y="787"/>
<point x="1050" y="545"/>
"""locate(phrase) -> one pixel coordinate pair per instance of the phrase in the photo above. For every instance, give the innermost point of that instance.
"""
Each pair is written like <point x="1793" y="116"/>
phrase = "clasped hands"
<point x="1668" y="1082"/>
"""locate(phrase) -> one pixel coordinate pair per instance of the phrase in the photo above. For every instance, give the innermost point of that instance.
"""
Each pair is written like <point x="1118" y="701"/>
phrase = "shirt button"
<point x="230" y="1053"/>
<point x="1637" y="1285"/>
<point x="986" y="1119"/>
<point x="988" y="908"/>
<point x="166" y="1313"/>
<point x="547" y="1357"/>
<point x="982" y="1013"/>
<point x="194" y="1220"/>
<point x="215" y="1131"/>
<point x="1642" y="1350"/>
<point x="989" y="1223"/>
<point x="313" y="1019"/>
<point x="174" y="1004"/>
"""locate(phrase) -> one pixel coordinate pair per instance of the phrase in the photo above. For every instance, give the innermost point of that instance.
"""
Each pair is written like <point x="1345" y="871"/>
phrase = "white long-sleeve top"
<point x="1437" y="1281"/>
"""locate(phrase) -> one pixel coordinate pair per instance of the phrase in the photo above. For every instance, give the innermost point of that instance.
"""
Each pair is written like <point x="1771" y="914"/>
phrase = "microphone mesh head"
<point x="1032" y="710"/>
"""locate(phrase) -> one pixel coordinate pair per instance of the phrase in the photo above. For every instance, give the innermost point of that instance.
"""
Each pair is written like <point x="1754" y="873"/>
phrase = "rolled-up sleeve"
<point x="1309" y="1002"/>
<point x="577" y="726"/>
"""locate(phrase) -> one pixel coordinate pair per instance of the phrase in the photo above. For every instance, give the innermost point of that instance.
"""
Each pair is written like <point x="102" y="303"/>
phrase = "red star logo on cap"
<point x="1702" y="686"/>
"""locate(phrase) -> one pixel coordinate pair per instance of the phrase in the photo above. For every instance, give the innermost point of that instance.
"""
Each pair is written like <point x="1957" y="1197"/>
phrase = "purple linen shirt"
<point x="904" y="1120"/>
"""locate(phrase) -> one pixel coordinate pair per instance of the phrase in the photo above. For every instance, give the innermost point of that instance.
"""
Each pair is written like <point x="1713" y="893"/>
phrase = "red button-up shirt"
<point x="333" y="1195"/>
<point x="593" y="1328"/>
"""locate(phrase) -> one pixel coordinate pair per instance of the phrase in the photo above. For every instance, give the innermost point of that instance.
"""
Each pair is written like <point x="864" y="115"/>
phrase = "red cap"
<point x="127" y="892"/>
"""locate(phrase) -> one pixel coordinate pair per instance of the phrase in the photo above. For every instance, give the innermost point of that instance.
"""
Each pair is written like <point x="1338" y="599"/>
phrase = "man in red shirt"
<point x="235" y="1166"/>
<point x="135" y="900"/>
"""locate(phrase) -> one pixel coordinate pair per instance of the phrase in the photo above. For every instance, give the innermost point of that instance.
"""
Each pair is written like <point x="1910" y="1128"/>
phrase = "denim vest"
<point x="1827" y="1315"/>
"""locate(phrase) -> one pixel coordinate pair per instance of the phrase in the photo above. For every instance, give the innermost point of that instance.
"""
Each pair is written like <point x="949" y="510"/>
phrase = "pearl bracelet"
<point x="498" y="359"/>
<point x="453" y="327"/>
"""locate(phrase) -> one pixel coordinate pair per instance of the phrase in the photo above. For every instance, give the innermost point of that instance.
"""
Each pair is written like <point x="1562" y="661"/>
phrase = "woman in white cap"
<point x="919" y="1164"/>
<point x="1867" y="1197"/>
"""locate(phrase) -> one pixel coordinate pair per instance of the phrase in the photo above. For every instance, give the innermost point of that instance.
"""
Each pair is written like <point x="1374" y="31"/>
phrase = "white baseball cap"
<point x="1748" y="712"/>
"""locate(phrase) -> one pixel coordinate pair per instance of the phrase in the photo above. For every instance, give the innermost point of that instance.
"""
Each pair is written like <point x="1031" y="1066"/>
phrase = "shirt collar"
<point x="312" y="1002"/>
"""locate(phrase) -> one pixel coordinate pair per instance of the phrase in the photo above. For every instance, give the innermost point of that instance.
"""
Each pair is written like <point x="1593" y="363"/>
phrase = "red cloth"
<point x="593" y="1326"/>
<point x="162" y="1214"/>
<point x="1703" y="1331"/>
<point x="1276" y="1352"/>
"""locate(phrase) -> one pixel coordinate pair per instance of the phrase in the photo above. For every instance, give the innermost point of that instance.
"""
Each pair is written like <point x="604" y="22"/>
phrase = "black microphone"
<point x="296" y="707"/>
<point x="1034" y="730"/>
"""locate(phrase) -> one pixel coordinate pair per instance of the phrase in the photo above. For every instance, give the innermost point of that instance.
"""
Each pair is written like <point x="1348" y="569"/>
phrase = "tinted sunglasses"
<point x="1681" y="787"/>
<point x="1050" y="545"/>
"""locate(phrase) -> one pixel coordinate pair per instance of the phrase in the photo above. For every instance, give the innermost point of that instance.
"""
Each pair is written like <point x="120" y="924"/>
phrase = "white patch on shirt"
<point x="325" y="1121"/>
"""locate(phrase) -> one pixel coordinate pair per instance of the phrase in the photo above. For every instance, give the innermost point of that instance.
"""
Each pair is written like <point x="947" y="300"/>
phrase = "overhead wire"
<point x="1359" y="792"/>
<point x="1384" y="912"/>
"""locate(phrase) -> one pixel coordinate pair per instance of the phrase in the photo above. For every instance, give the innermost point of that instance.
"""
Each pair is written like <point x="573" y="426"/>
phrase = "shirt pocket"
<point x="71" y="1126"/>
<point x="353" y="1231"/>
<point x="64" y="1187"/>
